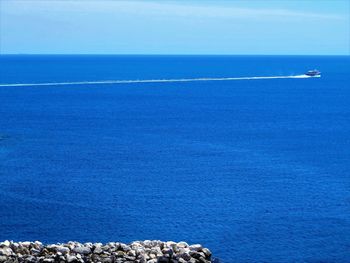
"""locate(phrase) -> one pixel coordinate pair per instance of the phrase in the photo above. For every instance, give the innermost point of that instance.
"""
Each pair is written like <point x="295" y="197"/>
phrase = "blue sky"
<point x="175" y="27"/>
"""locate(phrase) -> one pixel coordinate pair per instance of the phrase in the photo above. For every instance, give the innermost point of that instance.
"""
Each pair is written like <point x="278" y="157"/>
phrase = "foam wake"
<point x="146" y="81"/>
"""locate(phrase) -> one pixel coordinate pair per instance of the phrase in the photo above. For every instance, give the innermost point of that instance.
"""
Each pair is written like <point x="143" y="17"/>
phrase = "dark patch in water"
<point x="3" y="137"/>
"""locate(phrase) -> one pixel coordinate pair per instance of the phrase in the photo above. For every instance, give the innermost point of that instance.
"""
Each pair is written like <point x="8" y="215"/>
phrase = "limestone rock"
<point x="6" y="251"/>
<point x="196" y="247"/>
<point x="71" y="258"/>
<point x="82" y="250"/>
<point x="147" y="251"/>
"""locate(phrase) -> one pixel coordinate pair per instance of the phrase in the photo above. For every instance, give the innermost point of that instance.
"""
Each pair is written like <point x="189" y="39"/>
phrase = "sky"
<point x="275" y="27"/>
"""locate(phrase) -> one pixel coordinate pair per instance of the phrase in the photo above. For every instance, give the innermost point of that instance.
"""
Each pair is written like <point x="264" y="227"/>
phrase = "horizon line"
<point x="156" y="54"/>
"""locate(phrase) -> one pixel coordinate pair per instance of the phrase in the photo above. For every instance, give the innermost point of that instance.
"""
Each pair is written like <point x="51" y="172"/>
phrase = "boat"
<point x="313" y="73"/>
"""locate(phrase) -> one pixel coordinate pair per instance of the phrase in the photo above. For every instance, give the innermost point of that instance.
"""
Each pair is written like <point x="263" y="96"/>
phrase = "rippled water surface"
<point x="256" y="170"/>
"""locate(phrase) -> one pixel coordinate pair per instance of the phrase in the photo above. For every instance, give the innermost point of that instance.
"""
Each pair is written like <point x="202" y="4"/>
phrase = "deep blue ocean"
<point x="255" y="170"/>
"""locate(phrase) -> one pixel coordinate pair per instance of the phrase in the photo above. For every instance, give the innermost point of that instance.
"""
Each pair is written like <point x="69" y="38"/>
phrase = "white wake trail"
<point x="146" y="81"/>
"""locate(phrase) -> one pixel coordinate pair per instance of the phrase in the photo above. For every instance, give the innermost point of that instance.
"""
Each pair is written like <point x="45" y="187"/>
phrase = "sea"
<point x="242" y="154"/>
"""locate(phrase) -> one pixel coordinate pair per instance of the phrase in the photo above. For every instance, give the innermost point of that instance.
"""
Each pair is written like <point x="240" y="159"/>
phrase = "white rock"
<point x="125" y="248"/>
<point x="182" y="244"/>
<point x="38" y="245"/>
<point x="82" y="250"/>
<point x="34" y="251"/>
<point x="98" y="250"/>
<point x="196" y="247"/>
<point x="140" y="251"/>
<point x="3" y="258"/>
<point x="70" y="258"/>
<point x="206" y="252"/>
<point x="63" y="250"/>
<point x="170" y="244"/>
<point x="157" y="250"/>
<point x="6" y="251"/>
<point x="147" y="243"/>
<point x="25" y="244"/>
<point x="6" y="243"/>
<point x="49" y="260"/>
<point x="111" y="244"/>
<point x="70" y="244"/>
<point x="15" y="245"/>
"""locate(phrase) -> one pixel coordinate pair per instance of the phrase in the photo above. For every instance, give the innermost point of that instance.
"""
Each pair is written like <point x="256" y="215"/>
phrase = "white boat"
<point x="313" y="73"/>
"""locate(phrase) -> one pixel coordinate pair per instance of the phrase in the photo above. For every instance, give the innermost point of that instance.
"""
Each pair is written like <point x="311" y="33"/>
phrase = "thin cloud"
<point x="167" y="9"/>
<point x="219" y="11"/>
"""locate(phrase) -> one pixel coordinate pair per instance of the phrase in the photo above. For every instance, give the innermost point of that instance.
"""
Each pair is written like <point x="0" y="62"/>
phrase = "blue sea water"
<point x="256" y="170"/>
